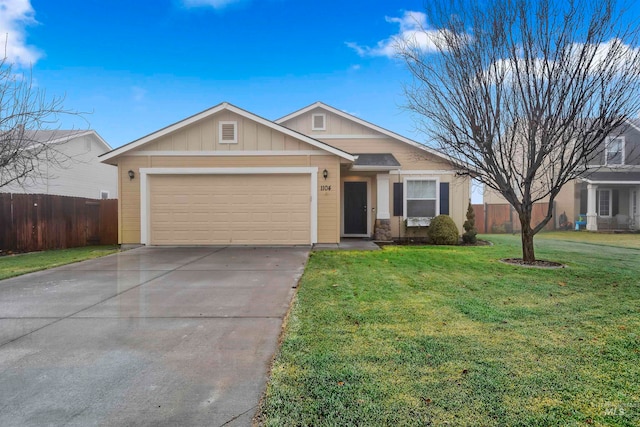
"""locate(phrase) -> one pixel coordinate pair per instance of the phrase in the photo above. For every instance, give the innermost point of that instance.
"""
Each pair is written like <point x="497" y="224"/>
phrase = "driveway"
<point x="152" y="336"/>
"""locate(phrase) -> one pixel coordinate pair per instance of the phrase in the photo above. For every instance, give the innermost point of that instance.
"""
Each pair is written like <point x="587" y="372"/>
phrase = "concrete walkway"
<point x="152" y="336"/>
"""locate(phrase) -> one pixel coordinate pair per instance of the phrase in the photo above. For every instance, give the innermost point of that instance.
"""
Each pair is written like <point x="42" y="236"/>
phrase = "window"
<point x="318" y="122"/>
<point x="614" y="151"/>
<point x="228" y="132"/>
<point x="421" y="198"/>
<point x="104" y="194"/>
<point x="604" y="203"/>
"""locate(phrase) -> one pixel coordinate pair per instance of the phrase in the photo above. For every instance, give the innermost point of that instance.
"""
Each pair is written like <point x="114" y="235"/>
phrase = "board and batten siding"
<point x="204" y="136"/>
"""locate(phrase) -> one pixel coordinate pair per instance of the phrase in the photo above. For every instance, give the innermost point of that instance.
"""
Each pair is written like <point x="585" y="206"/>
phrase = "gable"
<point x="243" y="132"/>
<point x="354" y="135"/>
<point x="335" y="127"/>
<point x="216" y="134"/>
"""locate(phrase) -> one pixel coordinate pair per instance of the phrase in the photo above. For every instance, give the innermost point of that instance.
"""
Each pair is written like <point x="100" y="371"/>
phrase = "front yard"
<point x="450" y="336"/>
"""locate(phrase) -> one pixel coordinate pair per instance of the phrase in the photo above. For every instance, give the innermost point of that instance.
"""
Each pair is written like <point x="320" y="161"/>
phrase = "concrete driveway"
<point x="152" y="336"/>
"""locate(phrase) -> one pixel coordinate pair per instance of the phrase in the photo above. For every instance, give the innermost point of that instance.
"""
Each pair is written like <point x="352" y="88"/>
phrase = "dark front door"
<point x="355" y="208"/>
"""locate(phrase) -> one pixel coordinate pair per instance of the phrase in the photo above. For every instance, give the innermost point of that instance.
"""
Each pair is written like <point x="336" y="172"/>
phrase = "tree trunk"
<point x="528" y="254"/>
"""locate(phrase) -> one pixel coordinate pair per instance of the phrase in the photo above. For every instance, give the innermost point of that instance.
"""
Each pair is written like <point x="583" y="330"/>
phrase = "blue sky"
<point x="141" y="65"/>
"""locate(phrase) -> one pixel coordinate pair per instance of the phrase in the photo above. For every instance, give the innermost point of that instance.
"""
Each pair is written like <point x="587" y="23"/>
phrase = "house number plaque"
<point x="325" y="188"/>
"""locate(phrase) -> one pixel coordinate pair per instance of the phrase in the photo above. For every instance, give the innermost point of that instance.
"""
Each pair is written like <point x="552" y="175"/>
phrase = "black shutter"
<point x="397" y="199"/>
<point x="444" y="198"/>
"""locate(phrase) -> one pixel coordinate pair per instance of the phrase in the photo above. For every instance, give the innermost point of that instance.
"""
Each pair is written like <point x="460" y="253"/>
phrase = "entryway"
<point x="355" y="208"/>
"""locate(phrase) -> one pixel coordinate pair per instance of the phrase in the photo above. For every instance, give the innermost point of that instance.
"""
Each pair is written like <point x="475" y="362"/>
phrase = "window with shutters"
<point x="228" y="132"/>
<point x="421" y="200"/>
<point x="318" y="122"/>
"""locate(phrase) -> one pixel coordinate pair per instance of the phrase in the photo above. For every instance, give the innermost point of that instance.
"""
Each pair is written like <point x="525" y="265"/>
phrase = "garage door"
<point x="229" y="209"/>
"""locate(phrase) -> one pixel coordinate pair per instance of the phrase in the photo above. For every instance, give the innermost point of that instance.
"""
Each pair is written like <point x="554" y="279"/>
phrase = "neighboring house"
<point x="228" y="176"/>
<point x="76" y="172"/>
<point x="605" y="196"/>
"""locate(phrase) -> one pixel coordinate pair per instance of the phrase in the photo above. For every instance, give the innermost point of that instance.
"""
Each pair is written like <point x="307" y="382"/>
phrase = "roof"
<point x="216" y="109"/>
<point x="609" y="177"/>
<point x="56" y="136"/>
<point x="375" y="161"/>
<point x="369" y="125"/>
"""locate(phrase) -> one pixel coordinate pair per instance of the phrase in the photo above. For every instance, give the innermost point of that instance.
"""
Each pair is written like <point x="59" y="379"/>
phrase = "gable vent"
<point x="228" y="132"/>
<point x="318" y="122"/>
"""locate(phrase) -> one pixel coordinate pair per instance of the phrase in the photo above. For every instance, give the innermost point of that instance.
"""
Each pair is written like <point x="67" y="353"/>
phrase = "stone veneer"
<point x="382" y="230"/>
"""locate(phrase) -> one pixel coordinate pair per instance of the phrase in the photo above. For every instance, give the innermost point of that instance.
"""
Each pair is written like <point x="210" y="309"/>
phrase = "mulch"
<point x="539" y="263"/>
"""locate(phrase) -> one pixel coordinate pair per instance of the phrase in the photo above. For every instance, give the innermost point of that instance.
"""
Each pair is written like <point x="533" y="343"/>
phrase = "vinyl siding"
<point x="78" y="174"/>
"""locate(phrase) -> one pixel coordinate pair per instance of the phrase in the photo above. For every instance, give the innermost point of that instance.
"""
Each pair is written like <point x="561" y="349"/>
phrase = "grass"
<point x="450" y="336"/>
<point x="16" y="265"/>
<point x="608" y="239"/>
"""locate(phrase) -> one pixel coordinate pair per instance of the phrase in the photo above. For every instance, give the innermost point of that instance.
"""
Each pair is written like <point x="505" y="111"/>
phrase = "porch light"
<point x="325" y="173"/>
<point x="132" y="174"/>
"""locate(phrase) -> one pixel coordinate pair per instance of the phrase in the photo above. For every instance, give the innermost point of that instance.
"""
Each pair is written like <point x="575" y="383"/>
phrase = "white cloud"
<point x="413" y="30"/>
<point x="15" y="16"/>
<point x="216" y="4"/>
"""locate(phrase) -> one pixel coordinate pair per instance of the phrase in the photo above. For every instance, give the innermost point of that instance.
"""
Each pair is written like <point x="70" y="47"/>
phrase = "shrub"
<point x="470" y="230"/>
<point x="443" y="231"/>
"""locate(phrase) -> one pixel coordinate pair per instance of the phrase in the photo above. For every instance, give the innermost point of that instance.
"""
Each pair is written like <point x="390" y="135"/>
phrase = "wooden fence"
<point x="502" y="218"/>
<point x="33" y="222"/>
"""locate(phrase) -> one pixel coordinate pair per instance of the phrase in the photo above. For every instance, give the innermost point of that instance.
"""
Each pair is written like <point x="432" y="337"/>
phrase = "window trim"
<point x="622" y="150"/>
<point x="600" y="190"/>
<point x="235" y="131"/>
<point x="324" y="121"/>
<point x="420" y="220"/>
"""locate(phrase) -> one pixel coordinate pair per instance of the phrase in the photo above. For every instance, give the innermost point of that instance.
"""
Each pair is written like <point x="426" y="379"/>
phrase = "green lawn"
<point x="607" y="239"/>
<point x="15" y="265"/>
<point x="450" y="336"/>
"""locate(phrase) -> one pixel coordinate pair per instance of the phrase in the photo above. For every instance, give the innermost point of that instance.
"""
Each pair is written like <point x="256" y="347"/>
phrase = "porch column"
<point x="382" y="229"/>
<point x="636" y="218"/>
<point x="592" y="216"/>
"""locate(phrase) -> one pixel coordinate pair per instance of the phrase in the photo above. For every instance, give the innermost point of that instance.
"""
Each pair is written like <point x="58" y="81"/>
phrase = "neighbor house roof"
<point x="369" y="125"/>
<point x="57" y="136"/>
<point x="216" y="109"/>
<point x="609" y="177"/>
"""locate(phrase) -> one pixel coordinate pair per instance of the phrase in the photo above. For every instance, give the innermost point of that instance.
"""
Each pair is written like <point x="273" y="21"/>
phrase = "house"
<point x="605" y="194"/>
<point x="228" y="176"/>
<point x="76" y="171"/>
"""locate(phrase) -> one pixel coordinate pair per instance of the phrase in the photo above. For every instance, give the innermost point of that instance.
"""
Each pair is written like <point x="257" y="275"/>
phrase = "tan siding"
<point x="227" y="161"/>
<point x="129" y="199"/>
<point x="203" y="135"/>
<point x="328" y="201"/>
<point x="334" y="125"/>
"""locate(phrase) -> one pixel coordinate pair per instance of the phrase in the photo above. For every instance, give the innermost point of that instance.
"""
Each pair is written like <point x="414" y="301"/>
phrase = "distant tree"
<point x="523" y="93"/>
<point x="24" y="110"/>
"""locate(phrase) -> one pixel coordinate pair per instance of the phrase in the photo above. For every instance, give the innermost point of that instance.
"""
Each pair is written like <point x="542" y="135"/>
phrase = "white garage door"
<point x="229" y="209"/>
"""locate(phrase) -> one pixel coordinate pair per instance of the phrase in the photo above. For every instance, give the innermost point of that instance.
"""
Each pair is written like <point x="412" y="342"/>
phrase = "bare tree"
<point x="523" y="93"/>
<point x="27" y="116"/>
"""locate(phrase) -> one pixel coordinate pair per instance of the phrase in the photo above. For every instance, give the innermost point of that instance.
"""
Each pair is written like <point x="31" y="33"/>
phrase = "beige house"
<point x="227" y="176"/>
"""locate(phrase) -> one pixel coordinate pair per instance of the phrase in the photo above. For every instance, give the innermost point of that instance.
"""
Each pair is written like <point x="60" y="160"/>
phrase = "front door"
<point x="355" y="208"/>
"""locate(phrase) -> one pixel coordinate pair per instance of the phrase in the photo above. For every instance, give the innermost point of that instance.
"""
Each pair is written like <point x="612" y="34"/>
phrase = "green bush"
<point x="443" y="231"/>
<point x="469" y="235"/>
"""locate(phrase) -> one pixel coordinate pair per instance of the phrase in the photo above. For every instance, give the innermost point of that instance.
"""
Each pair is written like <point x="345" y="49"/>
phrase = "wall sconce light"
<point x="325" y="173"/>
<point x="132" y="175"/>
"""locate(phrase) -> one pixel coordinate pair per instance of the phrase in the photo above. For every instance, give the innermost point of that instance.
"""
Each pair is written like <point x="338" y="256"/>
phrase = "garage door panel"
<point x="230" y="209"/>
